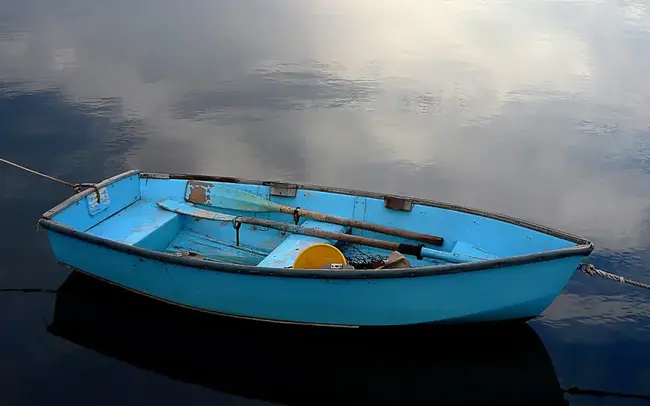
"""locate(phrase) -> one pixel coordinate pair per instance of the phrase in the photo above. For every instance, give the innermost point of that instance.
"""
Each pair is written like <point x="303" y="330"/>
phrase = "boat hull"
<point x="120" y="234"/>
<point x="502" y="293"/>
<point x="507" y="365"/>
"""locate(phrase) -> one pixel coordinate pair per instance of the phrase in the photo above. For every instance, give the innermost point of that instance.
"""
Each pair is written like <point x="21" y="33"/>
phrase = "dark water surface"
<point x="529" y="108"/>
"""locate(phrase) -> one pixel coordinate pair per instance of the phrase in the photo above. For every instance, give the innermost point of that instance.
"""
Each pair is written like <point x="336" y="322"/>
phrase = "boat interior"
<point x="129" y="211"/>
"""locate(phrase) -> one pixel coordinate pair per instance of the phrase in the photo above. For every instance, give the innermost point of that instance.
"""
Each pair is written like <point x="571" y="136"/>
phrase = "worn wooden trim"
<point x="283" y="189"/>
<point x="157" y="176"/>
<point x="398" y="203"/>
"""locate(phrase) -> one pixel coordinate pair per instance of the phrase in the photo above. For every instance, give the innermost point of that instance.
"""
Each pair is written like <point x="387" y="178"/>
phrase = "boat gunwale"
<point x="583" y="247"/>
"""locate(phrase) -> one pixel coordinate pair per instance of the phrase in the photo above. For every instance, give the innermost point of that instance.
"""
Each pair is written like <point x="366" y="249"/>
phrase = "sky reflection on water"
<point x="534" y="109"/>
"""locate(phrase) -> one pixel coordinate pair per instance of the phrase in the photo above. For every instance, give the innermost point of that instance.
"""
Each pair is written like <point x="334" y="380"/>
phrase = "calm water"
<point x="537" y="109"/>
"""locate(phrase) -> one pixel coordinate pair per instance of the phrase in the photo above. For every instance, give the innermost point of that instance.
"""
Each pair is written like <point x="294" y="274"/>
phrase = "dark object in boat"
<point x="395" y="261"/>
<point x="360" y="259"/>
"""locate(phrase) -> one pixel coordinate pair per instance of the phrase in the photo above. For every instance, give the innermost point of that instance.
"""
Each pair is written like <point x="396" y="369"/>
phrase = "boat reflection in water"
<point x="307" y="365"/>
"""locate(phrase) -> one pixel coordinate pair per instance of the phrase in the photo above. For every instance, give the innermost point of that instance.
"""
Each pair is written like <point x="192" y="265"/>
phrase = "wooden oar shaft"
<point x="408" y="249"/>
<point x="326" y="218"/>
<point x="314" y="232"/>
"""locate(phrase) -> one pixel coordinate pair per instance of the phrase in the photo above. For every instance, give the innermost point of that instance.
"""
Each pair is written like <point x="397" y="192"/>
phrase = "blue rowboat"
<point x="228" y="246"/>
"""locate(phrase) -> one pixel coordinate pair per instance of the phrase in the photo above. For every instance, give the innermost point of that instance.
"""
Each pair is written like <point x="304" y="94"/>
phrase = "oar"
<point x="232" y="198"/>
<point x="408" y="249"/>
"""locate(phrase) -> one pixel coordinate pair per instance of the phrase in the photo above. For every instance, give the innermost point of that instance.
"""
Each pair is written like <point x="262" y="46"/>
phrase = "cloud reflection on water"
<point x="522" y="108"/>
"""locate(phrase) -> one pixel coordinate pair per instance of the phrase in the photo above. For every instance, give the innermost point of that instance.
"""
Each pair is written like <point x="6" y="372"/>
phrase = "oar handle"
<point x="420" y="251"/>
<point x="378" y="228"/>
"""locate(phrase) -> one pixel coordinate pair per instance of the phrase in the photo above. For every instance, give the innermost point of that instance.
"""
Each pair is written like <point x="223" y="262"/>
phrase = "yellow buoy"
<point x="318" y="255"/>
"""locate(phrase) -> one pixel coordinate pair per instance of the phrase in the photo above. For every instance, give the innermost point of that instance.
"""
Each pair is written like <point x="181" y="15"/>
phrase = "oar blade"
<point x="226" y="197"/>
<point x="186" y="209"/>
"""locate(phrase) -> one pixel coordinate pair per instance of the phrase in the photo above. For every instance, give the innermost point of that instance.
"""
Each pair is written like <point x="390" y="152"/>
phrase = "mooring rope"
<point x="591" y="270"/>
<point x="63" y="182"/>
<point x="78" y="187"/>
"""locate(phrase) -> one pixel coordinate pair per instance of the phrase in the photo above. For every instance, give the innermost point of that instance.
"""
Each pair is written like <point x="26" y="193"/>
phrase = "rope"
<point x="78" y="187"/>
<point x="591" y="270"/>
<point x="72" y="185"/>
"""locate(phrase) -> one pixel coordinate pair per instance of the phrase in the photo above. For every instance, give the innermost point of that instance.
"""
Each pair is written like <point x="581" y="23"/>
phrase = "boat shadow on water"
<point x="288" y="364"/>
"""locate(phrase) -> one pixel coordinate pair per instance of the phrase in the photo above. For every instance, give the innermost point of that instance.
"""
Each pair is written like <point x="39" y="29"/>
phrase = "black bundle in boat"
<point x="360" y="259"/>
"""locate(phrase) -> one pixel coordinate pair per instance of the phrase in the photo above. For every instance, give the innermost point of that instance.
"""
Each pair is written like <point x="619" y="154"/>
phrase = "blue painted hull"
<point x="422" y="365"/>
<point x="511" y="287"/>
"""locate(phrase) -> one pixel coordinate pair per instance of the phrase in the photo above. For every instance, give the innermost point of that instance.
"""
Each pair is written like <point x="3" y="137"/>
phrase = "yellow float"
<point x="318" y="255"/>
